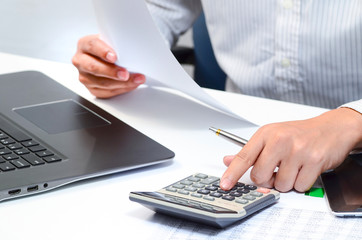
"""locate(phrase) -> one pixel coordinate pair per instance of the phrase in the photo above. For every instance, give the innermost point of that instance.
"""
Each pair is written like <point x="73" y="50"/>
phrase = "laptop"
<point x="50" y="136"/>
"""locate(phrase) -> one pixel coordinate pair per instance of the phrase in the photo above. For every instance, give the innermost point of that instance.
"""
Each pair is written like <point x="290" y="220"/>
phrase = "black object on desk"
<point x="343" y="187"/>
<point x="50" y="136"/>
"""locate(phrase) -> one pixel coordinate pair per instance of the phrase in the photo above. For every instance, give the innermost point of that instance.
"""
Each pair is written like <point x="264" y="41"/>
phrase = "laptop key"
<point x="13" y="131"/>
<point x="7" y="141"/>
<point x="29" y="143"/>
<point x="44" y="153"/>
<point x="33" y="159"/>
<point x="5" y="151"/>
<point x="20" y="163"/>
<point x="21" y="151"/>
<point x="3" y="135"/>
<point x="14" y="146"/>
<point x="37" y="148"/>
<point x="10" y="156"/>
<point x="52" y="159"/>
<point x="6" y="166"/>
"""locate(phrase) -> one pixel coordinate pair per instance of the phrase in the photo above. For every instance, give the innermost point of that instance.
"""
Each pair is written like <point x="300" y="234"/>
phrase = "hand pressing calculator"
<point x="199" y="198"/>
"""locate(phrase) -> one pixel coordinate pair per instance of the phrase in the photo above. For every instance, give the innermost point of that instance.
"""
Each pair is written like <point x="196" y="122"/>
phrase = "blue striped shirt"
<point x="301" y="51"/>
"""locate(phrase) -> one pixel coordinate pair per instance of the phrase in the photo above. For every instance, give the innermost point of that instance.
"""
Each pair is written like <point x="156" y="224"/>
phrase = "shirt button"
<point x="287" y="4"/>
<point x="285" y="62"/>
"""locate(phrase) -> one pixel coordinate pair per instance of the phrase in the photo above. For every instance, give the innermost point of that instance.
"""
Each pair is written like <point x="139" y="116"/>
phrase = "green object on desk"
<point x="315" y="192"/>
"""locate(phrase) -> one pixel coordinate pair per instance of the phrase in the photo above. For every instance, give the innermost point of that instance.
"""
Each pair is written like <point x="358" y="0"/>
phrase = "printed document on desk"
<point x="296" y="216"/>
<point x="128" y="27"/>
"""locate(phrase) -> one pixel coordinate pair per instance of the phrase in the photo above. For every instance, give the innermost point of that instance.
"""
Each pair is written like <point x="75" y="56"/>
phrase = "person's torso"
<point x="301" y="51"/>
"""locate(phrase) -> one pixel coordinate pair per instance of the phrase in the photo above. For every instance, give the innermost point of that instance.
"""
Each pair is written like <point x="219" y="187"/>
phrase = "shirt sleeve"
<point x="175" y="17"/>
<point x="355" y="105"/>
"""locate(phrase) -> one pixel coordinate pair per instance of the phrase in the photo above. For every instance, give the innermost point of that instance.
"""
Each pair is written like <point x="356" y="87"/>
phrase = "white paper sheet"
<point x="128" y="27"/>
<point x="295" y="216"/>
<point x="272" y="223"/>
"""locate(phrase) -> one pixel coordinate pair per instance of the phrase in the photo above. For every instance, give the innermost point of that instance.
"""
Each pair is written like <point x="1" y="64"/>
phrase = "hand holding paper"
<point x="128" y="27"/>
<point x="95" y="61"/>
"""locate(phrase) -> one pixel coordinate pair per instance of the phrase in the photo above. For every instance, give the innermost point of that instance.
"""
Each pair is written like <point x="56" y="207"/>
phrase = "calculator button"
<point x="263" y="190"/>
<point x="256" y="194"/>
<point x="236" y="194"/>
<point x="203" y="191"/>
<point x="210" y="180"/>
<point x="248" y="197"/>
<point x="227" y="197"/>
<point x="250" y="187"/>
<point x="193" y="179"/>
<point x="196" y="195"/>
<point x="234" y="188"/>
<point x="201" y="175"/>
<point x="242" y="190"/>
<point x="186" y="182"/>
<point x="183" y="192"/>
<point x="211" y="188"/>
<point x="198" y="185"/>
<point x="217" y="184"/>
<point x="239" y="184"/>
<point x="171" y="189"/>
<point x="191" y="189"/>
<point x="209" y="198"/>
<point x="178" y="186"/>
<point x="223" y="191"/>
<point x="216" y="194"/>
<point x="241" y="201"/>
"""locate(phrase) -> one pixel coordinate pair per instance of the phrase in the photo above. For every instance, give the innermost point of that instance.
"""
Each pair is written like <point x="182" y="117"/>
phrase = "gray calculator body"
<point x="199" y="198"/>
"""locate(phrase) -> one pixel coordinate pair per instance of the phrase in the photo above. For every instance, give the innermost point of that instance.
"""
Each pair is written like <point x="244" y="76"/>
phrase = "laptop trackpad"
<point x="61" y="116"/>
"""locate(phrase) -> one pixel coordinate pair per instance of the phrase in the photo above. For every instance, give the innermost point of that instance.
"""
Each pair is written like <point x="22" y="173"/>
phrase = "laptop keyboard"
<point x="18" y="150"/>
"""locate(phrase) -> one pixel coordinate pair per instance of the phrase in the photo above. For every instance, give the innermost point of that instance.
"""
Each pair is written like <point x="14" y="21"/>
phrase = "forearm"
<point x="175" y="17"/>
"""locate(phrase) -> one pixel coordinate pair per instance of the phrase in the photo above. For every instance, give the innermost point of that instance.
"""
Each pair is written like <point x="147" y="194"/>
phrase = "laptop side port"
<point x="14" y="192"/>
<point x="33" y="188"/>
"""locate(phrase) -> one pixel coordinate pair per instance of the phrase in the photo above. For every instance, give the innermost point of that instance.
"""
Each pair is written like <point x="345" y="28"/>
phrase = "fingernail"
<point x="123" y="75"/>
<point x="225" y="183"/>
<point x="111" y="57"/>
<point x="139" y="79"/>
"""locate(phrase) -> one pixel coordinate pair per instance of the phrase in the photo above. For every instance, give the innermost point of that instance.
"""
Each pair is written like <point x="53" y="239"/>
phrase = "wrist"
<point x="352" y="120"/>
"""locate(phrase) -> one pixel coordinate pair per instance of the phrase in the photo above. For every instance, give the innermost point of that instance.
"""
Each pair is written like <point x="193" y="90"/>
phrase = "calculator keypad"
<point x="200" y="198"/>
<point x="205" y="188"/>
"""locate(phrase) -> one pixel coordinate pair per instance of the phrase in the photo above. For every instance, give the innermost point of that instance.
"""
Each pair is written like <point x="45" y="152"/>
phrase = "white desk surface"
<point x="100" y="209"/>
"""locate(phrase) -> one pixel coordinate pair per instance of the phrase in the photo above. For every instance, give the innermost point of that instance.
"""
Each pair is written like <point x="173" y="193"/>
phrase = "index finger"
<point x="242" y="161"/>
<point x="93" y="45"/>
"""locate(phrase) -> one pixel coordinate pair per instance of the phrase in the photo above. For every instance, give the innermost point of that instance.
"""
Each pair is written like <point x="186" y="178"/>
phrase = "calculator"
<point x="199" y="198"/>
